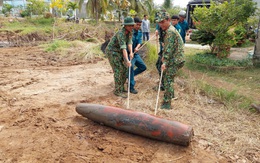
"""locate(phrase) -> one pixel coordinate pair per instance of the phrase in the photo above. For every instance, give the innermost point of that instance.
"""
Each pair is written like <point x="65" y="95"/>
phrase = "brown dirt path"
<point x="38" y="122"/>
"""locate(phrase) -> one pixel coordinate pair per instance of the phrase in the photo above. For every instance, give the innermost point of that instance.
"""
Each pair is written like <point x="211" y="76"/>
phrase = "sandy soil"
<point x="38" y="121"/>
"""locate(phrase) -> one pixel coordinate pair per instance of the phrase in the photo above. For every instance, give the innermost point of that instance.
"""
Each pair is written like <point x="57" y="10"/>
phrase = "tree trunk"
<point x="96" y="11"/>
<point x="1" y="4"/>
<point x="256" y="55"/>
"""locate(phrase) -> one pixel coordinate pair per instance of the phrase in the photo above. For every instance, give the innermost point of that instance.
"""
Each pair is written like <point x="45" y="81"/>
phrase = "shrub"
<point x="210" y="61"/>
<point x="48" y="15"/>
<point x="240" y="34"/>
<point x="57" y="45"/>
<point x="220" y="19"/>
<point x="203" y="37"/>
<point x="42" y="21"/>
<point x="25" y="13"/>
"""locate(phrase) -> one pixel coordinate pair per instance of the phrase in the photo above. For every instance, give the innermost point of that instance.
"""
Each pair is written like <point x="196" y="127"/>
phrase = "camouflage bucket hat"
<point x="160" y="16"/>
<point x="128" y="21"/>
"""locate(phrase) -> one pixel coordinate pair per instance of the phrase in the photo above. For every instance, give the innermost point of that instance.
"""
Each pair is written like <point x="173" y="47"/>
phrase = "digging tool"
<point x="129" y="71"/>
<point x="156" y="105"/>
<point x="157" y="45"/>
<point x="138" y="123"/>
<point x="158" y="94"/>
<point x="128" y="89"/>
<point x="146" y="43"/>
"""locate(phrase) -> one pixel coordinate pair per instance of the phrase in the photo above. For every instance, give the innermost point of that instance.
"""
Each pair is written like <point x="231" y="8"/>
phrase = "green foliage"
<point x="223" y="69"/>
<point x="219" y="19"/>
<point x="167" y="4"/>
<point x="30" y="25"/>
<point x="210" y="61"/>
<point x="57" y="45"/>
<point x="142" y="7"/>
<point x="25" y="13"/>
<point x="94" y="40"/>
<point x="151" y="55"/>
<point x="132" y="13"/>
<point x="41" y="21"/>
<point x="240" y="34"/>
<point x="72" y="5"/>
<point x="230" y="98"/>
<point x="248" y="43"/>
<point x="203" y="37"/>
<point x="95" y="8"/>
<point x="36" y="7"/>
<point x="7" y="8"/>
<point x="174" y="10"/>
<point x="148" y="8"/>
<point x="253" y="20"/>
<point x="98" y="9"/>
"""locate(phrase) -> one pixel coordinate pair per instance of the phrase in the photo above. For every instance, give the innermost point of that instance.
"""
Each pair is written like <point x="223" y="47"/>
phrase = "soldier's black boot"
<point x="166" y="105"/>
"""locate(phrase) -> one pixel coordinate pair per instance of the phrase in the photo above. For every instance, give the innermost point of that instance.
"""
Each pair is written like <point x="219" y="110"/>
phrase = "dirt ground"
<point x="38" y="122"/>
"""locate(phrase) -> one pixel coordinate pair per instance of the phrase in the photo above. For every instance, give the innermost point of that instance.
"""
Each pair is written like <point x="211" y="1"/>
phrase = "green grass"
<point x="208" y="60"/>
<point x="94" y="50"/>
<point x="231" y="99"/>
<point x="57" y="45"/>
<point x="200" y="62"/>
<point x="26" y="26"/>
<point x="246" y="44"/>
<point x="94" y="40"/>
<point x="243" y="80"/>
<point x="152" y="55"/>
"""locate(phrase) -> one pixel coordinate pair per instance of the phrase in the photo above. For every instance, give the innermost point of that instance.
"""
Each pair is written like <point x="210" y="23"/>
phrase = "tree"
<point x="7" y="8"/>
<point x="150" y="9"/>
<point x="98" y="8"/>
<point x="219" y="19"/>
<point x="167" y="4"/>
<point x="1" y="4"/>
<point x="95" y="8"/>
<point x="256" y="55"/>
<point x="56" y="5"/>
<point x="139" y="6"/>
<point x="73" y="6"/>
<point x="35" y="7"/>
<point x="122" y="6"/>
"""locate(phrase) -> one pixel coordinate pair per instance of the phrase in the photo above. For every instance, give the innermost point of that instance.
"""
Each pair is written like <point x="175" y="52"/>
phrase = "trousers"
<point x="137" y="62"/>
<point x="120" y="70"/>
<point x="146" y="36"/>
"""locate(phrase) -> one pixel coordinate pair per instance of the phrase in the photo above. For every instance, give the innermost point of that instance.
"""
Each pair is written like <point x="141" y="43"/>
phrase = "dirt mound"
<point x="21" y="36"/>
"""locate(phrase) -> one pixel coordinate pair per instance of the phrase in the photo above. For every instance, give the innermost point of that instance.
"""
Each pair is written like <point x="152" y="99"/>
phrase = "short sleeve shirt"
<point x="120" y="41"/>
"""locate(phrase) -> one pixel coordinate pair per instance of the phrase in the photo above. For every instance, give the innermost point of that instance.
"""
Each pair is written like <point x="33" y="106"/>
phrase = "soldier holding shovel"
<point x="172" y="56"/>
<point x="116" y="51"/>
<point x="137" y="60"/>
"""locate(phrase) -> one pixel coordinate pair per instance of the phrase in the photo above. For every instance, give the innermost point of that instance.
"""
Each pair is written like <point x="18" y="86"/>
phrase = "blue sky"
<point x="182" y="3"/>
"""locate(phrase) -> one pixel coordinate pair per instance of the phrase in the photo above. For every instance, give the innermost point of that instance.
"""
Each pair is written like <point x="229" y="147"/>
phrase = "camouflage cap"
<point x="128" y="21"/>
<point x="160" y="16"/>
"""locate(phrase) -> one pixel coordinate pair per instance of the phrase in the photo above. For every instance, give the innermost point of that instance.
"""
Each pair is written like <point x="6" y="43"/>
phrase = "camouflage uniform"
<point x="115" y="56"/>
<point x="159" y="60"/>
<point x="173" y="58"/>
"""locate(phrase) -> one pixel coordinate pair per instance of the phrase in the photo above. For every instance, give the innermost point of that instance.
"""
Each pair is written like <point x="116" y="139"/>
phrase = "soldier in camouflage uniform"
<point x="172" y="56"/>
<point x="116" y="51"/>
<point x="158" y="64"/>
